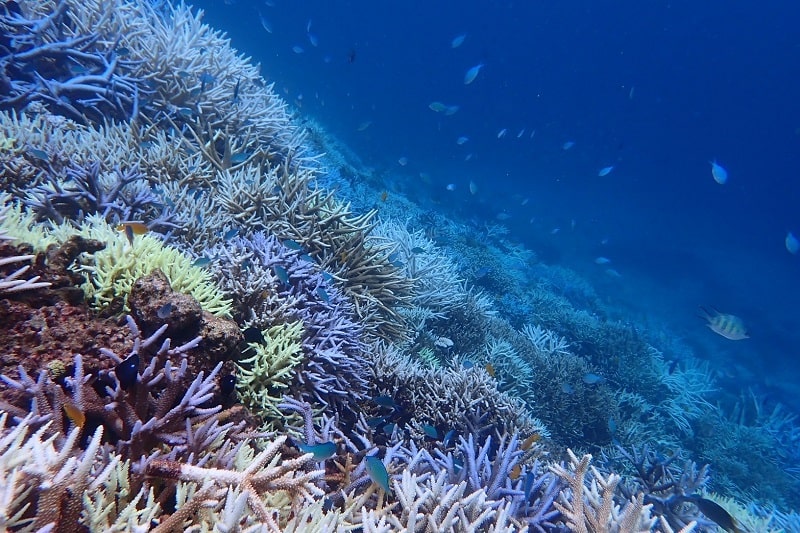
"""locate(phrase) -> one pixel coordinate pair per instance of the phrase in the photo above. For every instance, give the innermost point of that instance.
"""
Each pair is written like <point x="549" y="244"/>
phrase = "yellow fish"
<point x="530" y="441"/>
<point x="138" y="228"/>
<point x="729" y="326"/>
<point x="75" y="414"/>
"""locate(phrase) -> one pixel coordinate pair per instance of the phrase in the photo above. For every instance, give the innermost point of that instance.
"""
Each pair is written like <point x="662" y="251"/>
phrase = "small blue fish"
<point x="472" y="73"/>
<point x="592" y="379"/>
<point x="292" y="245"/>
<point x="375" y="422"/>
<point x="378" y="473"/>
<point x="206" y="79"/>
<point x="164" y="311"/>
<point x="566" y="388"/>
<point x="389" y="428"/>
<point x="567" y="145"/>
<point x="605" y="171"/>
<point x="323" y="295"/>
<point x="281" y="274"/>
<point x="240" y="157"/>
<point x="236" y="91"/>
<point x="462" y="140"/>
<point x="39" y="154"/>
<point x="458" y="40"/>
<point x="430" y="431"/>
<point x="127" y="371"/>
<point x="308" y="259"/>
<point x="253" y="335"/>
<point x="718" y="172"/>
<point x="612" y="425"/>
<point x="791" y="243"/>
<point x="264" y="22"/>
<point x="227" y="384"/>
<point x="384" y="401"/>
<point x="321" y="451"/>
<point x="448" y="438"/>
<point x="467" y="364"/>
<point x="230" y="234"/>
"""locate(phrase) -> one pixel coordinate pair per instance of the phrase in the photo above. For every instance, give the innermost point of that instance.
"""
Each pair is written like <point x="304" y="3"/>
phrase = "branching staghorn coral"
<point x="429" y="503"/>
<point x="151" y="404"/>
<point x="664" y="483"/>
<point x="564" y="391"/>
<point x="752" y="448"/>
<point x="591" y="506"/>
<point x="93" y="61"/>
<point x="438" y="286"/>
<point x="262" y="377"/>
<point x="282" y="201"/>
<point x="147" y="408"/>
<point x="117" y="196"/>
<point x="545" y="341"/>
<point x="11" y="282"/>
<point x="274" y="284"/>
<point x="42" y="483"/>
<point x="449" y="397"/>
<point x="64" y="170"/>
<point x="514" y="374"/>
<point x="265" y="473"/>
<point x="51" y="59"/>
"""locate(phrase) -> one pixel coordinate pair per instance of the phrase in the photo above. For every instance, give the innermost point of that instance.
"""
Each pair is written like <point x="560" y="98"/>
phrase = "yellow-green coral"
<point x="111" y="272"/>
<point x="21" y="225"/>
<point x="429" y="358"/>
<point x="261" y="378"/>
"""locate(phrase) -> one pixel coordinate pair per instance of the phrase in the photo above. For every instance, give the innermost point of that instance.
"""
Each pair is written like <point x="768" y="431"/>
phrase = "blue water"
<point x="656" y="89"/>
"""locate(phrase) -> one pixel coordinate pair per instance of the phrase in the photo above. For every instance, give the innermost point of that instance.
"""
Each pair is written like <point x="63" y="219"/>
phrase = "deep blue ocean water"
<point x="656" y="89"/>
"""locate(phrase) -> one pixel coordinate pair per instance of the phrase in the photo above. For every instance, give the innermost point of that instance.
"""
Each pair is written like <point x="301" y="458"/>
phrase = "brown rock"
<point x="153" y="303"/>
<point x="50" y="336"/>
<point x="221" y="337"/>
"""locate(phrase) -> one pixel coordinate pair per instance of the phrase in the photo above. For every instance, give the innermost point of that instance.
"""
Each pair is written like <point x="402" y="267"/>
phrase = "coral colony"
<point x="197" y="334"/>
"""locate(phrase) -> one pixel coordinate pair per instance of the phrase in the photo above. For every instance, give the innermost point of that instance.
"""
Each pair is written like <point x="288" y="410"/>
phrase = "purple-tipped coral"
<point x="119" y="195"/>
<point x="274" y="284"/>
<point x="49" y="59"/>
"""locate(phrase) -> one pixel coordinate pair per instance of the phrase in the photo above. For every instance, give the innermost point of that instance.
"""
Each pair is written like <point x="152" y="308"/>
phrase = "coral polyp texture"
<point x="199" y="331"/>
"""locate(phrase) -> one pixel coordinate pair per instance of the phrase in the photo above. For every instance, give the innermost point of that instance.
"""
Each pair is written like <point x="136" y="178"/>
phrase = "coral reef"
<point x="274" y="284"/>
<point x="200" y="332"/>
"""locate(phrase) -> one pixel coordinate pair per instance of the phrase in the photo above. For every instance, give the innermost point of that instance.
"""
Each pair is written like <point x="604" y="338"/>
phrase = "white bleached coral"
<point x="12" y="282"/>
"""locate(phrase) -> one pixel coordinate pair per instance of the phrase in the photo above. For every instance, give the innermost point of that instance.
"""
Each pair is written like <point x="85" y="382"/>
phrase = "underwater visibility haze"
<point x="655" y="91"/>
<point x="273" y="265"/>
